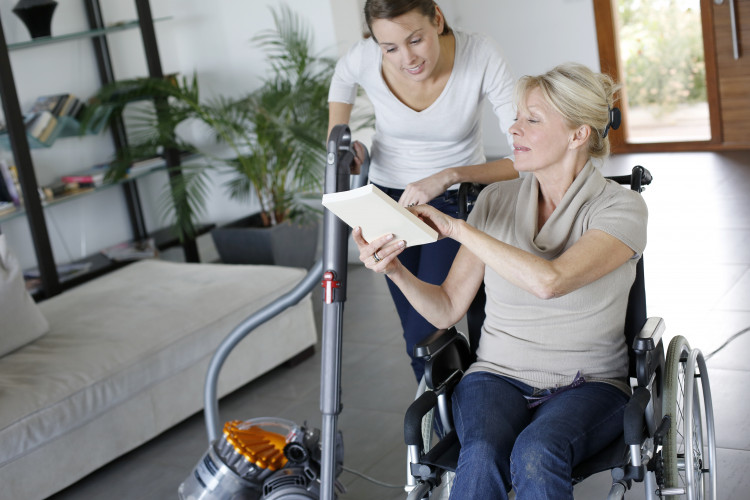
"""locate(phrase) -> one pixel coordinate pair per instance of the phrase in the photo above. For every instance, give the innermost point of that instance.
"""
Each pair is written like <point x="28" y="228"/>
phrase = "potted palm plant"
<point x="274" y="145"/>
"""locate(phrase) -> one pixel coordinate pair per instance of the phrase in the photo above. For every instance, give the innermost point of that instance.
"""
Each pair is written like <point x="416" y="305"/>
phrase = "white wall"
<point x="213" y="39"/>
<point x="210" y="38"/>
<point x="534" y="36"/>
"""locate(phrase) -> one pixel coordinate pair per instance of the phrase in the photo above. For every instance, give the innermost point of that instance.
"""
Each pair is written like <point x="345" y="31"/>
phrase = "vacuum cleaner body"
<point x="260" y="459"/>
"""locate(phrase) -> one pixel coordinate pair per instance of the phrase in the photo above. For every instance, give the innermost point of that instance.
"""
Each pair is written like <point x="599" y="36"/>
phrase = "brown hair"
<point x="388" y="9"/>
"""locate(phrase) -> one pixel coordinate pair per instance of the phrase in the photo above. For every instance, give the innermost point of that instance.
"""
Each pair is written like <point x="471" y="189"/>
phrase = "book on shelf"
<point x="66" y="106"/>
<point x="64" y="271"/>
<point x="49" y="103"/>
<point x="84" y="179"/>
<point x="4" y="193"/>
<point x="132" y="250"/>
<point x="55" y="190"/>
<point x="5" y="196"/>
<point x="93" y="176"/>
<point x="57" y="104"/>
<point x="6" y="207"/>
<point x="41" y="124"/>
<point x="378" y="214"/>
<point x="47" y="132"/>
<point x="9" y="176"/>
<point x="76" y="109"/>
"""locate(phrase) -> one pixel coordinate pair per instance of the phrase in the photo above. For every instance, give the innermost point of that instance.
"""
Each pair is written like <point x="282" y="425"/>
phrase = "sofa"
<point x="124" y="358"/>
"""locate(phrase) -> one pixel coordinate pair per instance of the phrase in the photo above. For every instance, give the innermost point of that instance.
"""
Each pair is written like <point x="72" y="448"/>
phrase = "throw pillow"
<point x="21" y="321"/>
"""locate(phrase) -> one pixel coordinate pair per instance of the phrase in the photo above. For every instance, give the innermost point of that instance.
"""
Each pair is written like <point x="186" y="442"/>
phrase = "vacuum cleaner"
<point x="273" y="458"/>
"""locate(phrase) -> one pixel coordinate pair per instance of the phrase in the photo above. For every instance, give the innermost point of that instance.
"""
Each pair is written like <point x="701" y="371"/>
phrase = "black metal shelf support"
<point x="151" y="49"/>
<point x="117" y="127"/>
<point x="26" y="176"/>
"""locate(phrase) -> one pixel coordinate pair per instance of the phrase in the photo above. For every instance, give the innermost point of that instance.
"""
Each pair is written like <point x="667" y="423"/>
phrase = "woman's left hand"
<point x="422" y="191"/>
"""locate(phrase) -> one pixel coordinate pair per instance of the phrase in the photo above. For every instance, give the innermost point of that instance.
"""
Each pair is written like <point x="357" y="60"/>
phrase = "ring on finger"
<point x="376" y="258"/>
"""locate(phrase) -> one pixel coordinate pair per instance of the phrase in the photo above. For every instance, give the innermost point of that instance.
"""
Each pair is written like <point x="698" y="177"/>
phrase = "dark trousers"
<point x="431" y="264"/>
<point x="505" y="444"/>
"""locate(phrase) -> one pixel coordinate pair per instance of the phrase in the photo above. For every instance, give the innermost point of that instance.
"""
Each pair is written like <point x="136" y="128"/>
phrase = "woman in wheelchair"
<point x="557" y="251"/>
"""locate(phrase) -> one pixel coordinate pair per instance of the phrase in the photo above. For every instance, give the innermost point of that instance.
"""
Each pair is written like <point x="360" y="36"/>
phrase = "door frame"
<point x="606" y="27"/>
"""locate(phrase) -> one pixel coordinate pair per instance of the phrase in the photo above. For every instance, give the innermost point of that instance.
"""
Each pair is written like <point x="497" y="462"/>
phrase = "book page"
<point x="378" y="214"/>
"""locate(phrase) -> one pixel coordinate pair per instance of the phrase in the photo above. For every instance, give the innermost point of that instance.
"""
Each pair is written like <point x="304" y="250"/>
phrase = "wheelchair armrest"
<point x="436" y="342"/>
<point x="649" y="350"/>
<point x="650" y="335"/>
<point x="447" y="354"/>
<point x="413" y="418"/>
<point x="633" y="418"/>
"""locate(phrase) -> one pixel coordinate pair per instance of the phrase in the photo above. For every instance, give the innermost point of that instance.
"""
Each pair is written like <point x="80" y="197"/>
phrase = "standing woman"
<point x="426" y="83"/>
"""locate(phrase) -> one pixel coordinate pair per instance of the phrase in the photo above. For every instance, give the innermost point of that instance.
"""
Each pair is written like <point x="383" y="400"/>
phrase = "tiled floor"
<point x="698" y="280"/>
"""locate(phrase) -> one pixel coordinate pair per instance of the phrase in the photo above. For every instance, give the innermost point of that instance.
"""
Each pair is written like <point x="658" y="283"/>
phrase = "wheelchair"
<point x="668" y="441"/>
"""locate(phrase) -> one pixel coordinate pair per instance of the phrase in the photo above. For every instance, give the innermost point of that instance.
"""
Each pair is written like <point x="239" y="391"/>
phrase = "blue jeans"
<point x="431" y="264"/>
<point x="506" y="445"/>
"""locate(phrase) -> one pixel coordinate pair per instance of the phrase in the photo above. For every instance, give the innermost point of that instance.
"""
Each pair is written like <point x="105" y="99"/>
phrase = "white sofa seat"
<point x="126" y="358"/>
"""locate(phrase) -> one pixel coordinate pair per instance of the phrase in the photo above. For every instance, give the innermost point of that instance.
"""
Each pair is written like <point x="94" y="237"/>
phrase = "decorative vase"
<point x="36" y="15"/>
<point x="287" y="244"/>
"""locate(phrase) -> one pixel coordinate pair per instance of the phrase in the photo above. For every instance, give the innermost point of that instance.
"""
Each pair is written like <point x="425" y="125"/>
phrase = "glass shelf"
<point x="156" y="167"/>
<point x="67" y="126"/>
<point x="19" y="211"/>
<point x="38" y="42"/>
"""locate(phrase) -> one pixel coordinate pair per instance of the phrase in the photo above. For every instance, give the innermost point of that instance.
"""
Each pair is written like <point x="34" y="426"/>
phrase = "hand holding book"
<point x="378" y="214"/>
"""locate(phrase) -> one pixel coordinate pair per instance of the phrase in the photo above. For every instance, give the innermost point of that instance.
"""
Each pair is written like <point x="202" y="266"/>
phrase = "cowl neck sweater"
<point x="552" y="239"/>
<point x="545" y="343"/>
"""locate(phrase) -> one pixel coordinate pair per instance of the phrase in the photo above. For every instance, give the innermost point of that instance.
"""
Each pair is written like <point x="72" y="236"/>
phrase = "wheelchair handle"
<point x="639" y="177"/>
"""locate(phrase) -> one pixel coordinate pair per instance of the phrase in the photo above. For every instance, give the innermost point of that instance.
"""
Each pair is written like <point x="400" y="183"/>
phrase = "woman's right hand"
<point x="381" y="254"/>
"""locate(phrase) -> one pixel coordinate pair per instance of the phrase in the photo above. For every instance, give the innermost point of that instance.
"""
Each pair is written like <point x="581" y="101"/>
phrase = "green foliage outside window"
<point x="661" y="43"/>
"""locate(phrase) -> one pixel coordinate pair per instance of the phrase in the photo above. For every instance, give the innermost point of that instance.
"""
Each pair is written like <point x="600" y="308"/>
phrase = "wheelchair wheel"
<point x="690" y="449"/>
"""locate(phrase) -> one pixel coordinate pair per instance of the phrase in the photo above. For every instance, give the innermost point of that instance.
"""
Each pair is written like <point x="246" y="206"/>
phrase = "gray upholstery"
<point x="126" y="358"/>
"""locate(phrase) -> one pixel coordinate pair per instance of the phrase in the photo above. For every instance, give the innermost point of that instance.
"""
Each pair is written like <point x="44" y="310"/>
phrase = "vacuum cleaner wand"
<point x="339" y="160"/>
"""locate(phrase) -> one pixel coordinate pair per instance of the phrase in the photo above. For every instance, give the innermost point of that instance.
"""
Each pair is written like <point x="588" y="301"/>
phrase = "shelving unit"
<point x="66" y="127"/>
<point x="20" y="143"/>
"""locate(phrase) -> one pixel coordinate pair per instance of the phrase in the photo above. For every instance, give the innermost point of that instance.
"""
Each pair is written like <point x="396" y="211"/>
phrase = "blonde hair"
<point x="580" y="95"/>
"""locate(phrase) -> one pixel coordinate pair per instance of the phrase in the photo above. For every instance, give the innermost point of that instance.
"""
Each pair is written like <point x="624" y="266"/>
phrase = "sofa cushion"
<point x="120" y="334"/>
<point x="20" y="318"/>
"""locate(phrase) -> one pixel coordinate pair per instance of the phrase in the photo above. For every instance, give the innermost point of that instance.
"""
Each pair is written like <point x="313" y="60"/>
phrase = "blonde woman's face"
<point x="410" y="43"/>
<point x="541" y="135"/>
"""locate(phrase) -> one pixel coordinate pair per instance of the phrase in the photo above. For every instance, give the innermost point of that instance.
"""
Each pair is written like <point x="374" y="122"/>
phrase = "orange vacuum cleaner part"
<point x="262" y="448"/>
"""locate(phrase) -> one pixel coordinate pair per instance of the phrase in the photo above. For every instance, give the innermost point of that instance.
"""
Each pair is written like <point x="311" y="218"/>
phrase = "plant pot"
<point x="36" y="15"/>
<point x="285" y="244"/>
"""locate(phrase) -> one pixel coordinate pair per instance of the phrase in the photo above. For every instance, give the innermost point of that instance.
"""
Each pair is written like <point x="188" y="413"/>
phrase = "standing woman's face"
<point x="410" y="43"/>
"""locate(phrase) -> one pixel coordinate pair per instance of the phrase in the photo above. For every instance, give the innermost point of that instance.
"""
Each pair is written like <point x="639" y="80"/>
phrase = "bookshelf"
<point x="20" y="143"/>
<point x="66" y="127"/>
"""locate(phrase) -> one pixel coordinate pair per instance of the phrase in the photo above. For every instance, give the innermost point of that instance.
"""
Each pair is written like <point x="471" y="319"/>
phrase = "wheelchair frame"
<point x="668" y="440"/>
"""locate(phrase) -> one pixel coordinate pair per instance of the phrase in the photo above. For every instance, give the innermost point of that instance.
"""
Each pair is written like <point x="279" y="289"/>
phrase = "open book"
<point x="377" y="214"/>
